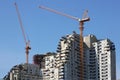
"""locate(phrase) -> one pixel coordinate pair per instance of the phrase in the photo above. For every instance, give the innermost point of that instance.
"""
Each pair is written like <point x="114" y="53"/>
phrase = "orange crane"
<point x="27" y="42"/>
<point x="81" y="23"/>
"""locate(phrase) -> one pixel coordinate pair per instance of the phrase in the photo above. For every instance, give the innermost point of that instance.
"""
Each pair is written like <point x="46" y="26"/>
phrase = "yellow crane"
<point x="27" y="42"/>
<point x="81" y="27"/>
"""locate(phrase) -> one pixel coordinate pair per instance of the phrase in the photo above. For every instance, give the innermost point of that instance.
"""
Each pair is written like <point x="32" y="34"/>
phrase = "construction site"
<point x="77" y="57"/>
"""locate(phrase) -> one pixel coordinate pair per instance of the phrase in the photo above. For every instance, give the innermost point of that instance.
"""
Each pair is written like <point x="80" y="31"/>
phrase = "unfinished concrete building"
<point x="24" y="72"/>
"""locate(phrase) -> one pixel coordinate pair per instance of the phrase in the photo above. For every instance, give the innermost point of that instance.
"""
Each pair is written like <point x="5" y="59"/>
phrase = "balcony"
<point x="61" y="73"/>
<point x="63" y="55"/>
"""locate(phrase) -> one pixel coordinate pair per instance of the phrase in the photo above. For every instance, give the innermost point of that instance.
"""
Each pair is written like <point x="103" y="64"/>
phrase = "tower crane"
<point x="27" y="42"/>
<point x="85" y="18"/>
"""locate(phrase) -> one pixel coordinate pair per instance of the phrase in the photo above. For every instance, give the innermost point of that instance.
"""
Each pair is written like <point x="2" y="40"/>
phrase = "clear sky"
<point x="45" y="28"/>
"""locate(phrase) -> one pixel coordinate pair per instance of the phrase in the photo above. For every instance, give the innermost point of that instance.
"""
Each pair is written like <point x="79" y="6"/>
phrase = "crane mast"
<point x="81" y="23"/>
<point x="24" y="36"/>
<point x="81" y="27"/>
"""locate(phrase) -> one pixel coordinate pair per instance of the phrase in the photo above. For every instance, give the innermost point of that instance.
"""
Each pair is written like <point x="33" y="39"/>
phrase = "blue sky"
<point x="45" y="28"/>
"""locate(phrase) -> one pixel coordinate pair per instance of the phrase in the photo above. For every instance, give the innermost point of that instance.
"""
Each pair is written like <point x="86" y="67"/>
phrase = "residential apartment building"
<point x="99" y="59"/>
<point x="105" y="57"/>
<point x="68" y="48"/>
<point x="63" y="65"/>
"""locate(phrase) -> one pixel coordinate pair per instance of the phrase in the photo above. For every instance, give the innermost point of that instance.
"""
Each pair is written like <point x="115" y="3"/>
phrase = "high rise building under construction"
<point x="99" y="59"/>
<point x="64" y="64"/>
